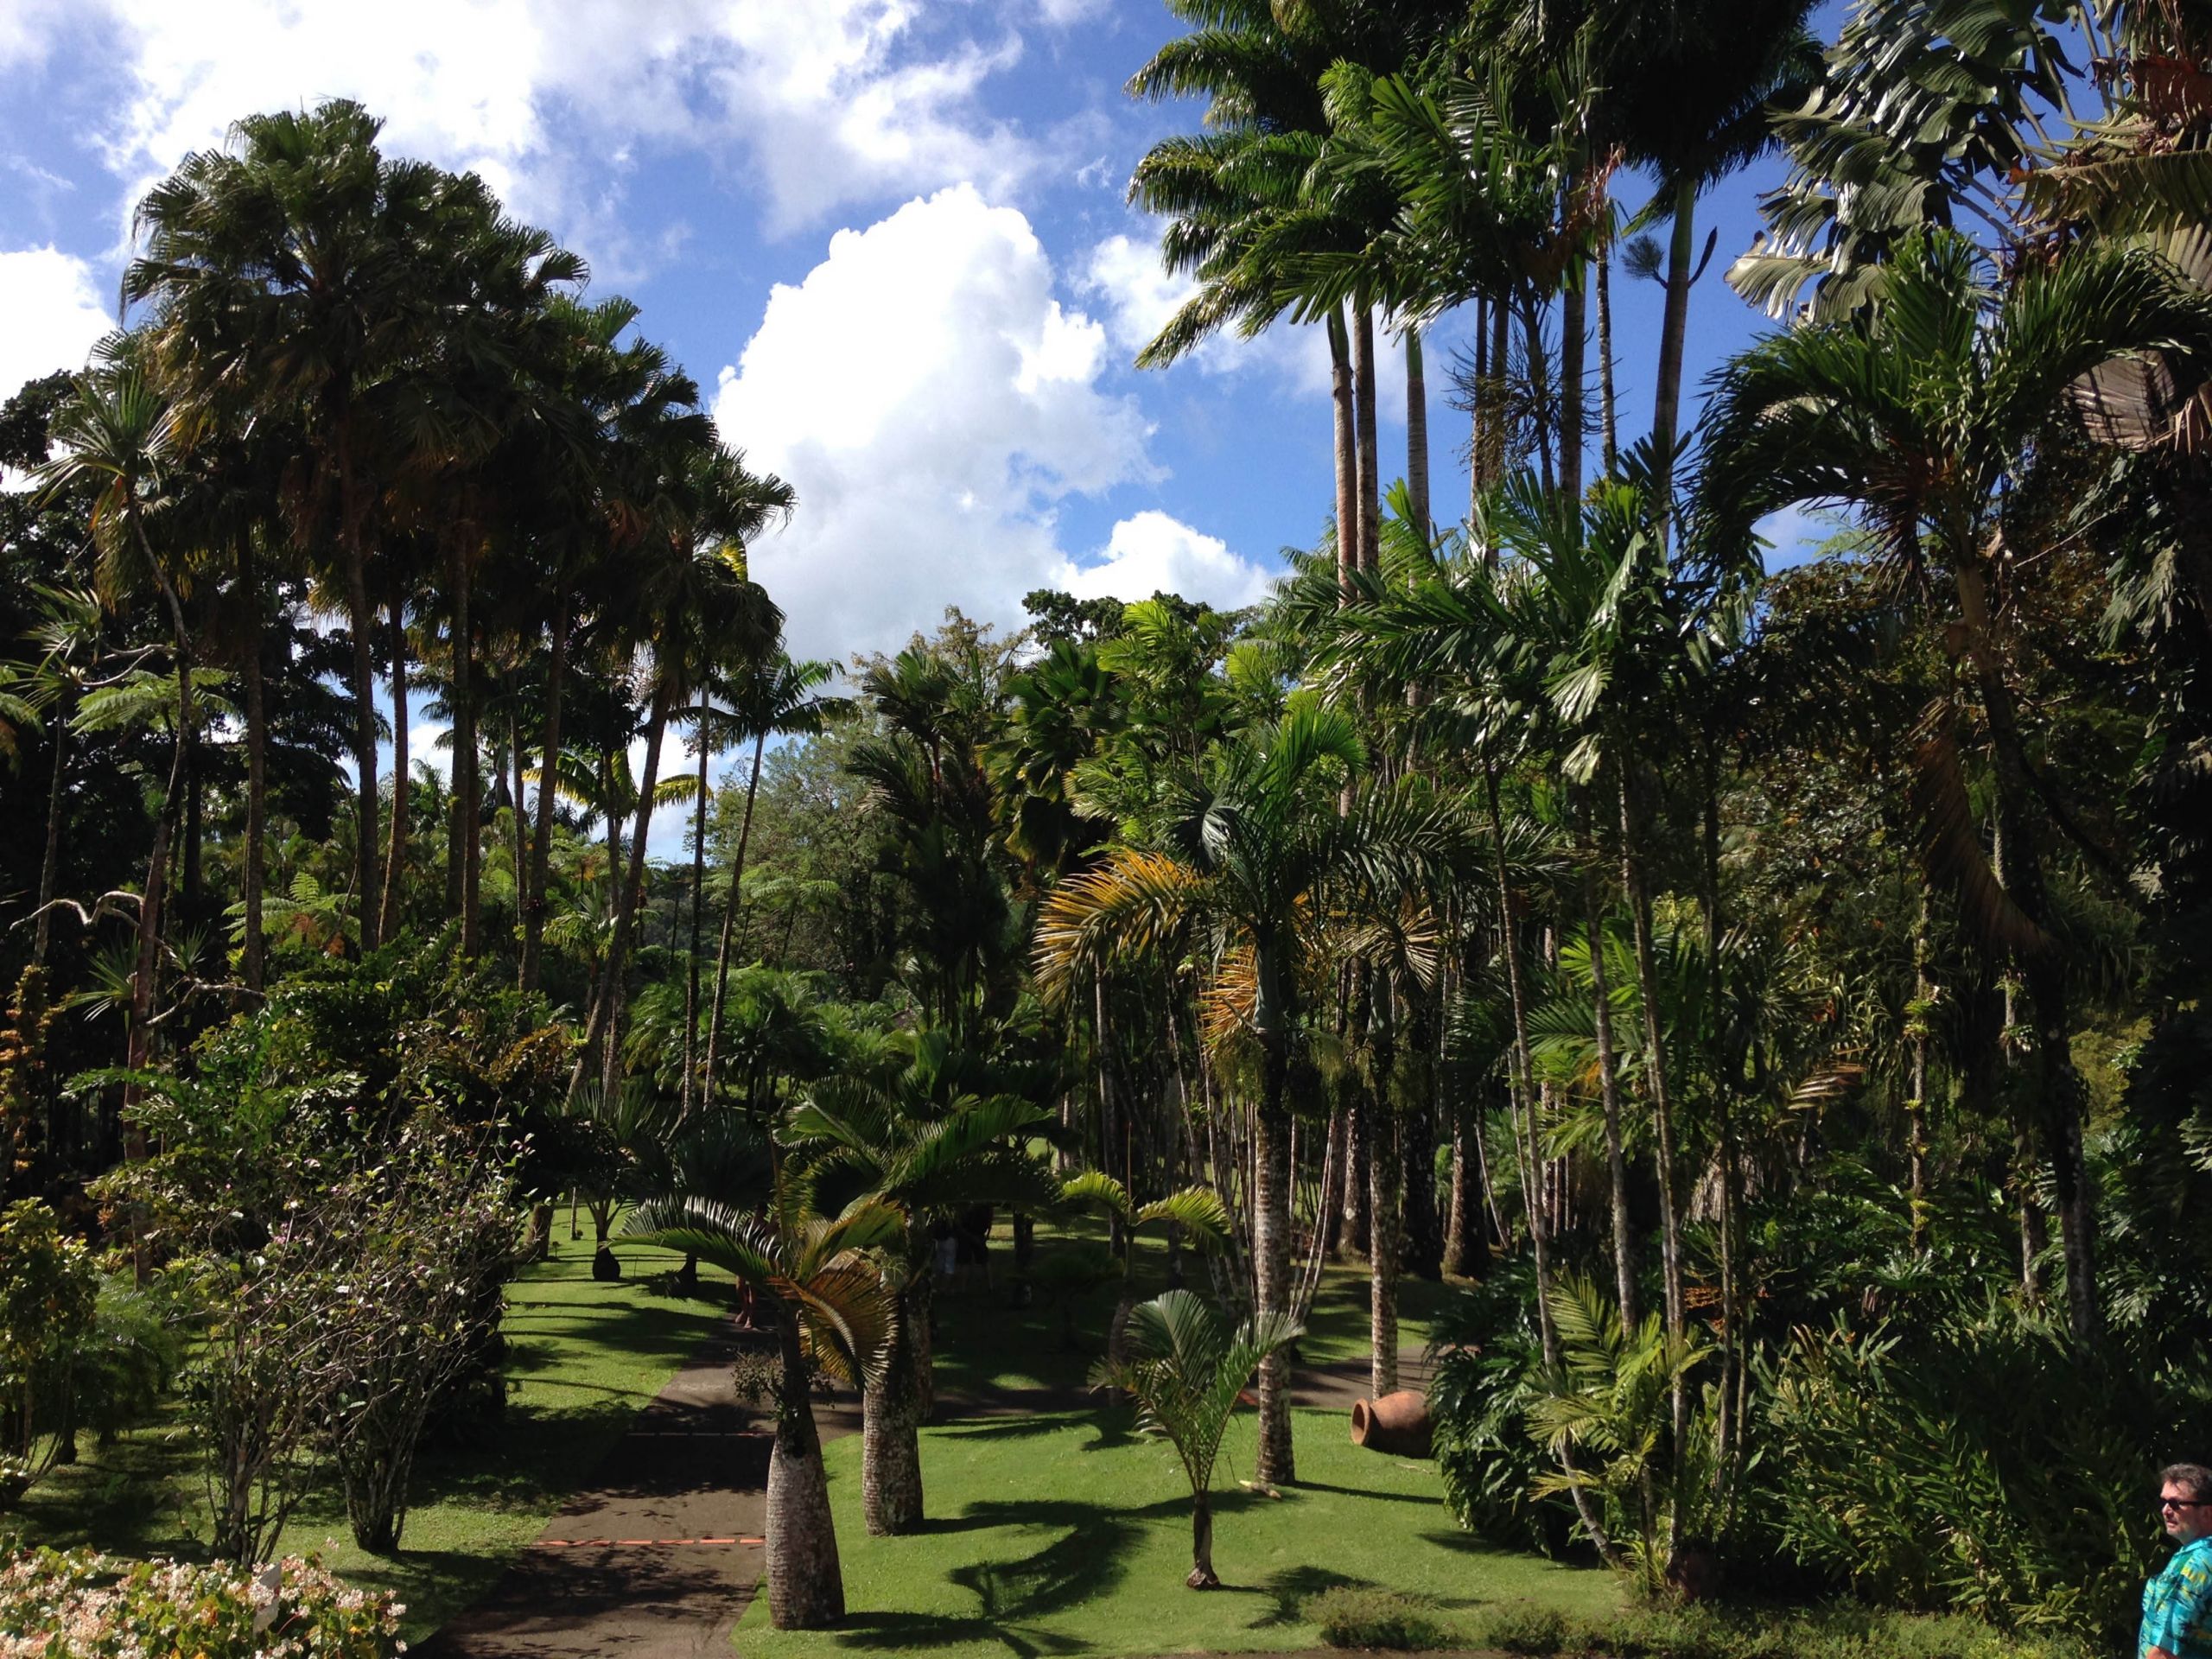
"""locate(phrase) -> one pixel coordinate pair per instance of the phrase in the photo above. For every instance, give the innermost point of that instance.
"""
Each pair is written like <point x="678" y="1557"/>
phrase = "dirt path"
<point x="659" y="1561"/>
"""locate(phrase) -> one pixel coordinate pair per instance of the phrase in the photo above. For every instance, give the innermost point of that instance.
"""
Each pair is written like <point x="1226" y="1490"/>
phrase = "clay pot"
<point x="1397" y="1422"/>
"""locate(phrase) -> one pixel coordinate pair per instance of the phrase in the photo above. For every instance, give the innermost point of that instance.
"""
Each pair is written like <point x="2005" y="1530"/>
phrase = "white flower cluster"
<point x="83" y="1605"/>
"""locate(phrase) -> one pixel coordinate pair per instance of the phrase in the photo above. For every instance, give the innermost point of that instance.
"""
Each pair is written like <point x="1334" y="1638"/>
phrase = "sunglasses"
<point x="2184" y="1502"/>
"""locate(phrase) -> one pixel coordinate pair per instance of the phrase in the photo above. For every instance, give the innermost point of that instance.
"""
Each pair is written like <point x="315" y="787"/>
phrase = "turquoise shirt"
<point x="2177" y="1606"/>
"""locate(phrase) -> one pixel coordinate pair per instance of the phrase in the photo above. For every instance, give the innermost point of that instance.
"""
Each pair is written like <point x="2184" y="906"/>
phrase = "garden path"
<point x="659" y="1561"/>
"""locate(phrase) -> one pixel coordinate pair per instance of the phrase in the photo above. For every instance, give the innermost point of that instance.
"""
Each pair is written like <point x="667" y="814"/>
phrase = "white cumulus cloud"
<point x="54" y="312"/>
<point x="816" y="105"/>
<point x="932" y="401"/>
<point x="1139" y="295"/>
<point x="1153" y="552"/>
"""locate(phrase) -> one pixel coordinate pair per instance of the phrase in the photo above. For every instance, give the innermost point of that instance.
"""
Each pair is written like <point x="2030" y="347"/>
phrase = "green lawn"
<point x="583" y="1359"/>
<point x="1066" y="1533"/>
<point x="984" y="1344"/>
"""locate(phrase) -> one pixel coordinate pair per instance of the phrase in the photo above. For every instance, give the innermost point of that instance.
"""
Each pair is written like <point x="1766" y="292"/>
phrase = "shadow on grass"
<point x="1088" y="1560"/>
<point x="1429" y="1498"/>
<point x="1293" y="1587"/>
<point x="918" y="1632"/>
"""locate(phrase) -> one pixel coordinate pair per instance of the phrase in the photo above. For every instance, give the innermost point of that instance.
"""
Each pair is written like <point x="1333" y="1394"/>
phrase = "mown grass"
<point x="1067" y="1534"/>
<point x="985" y="1344"/>
<point x="583" y="1359"/>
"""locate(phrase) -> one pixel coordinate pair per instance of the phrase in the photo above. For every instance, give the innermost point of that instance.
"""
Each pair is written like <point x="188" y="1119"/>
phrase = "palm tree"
<point x="1186" y="1372"/>
<point x="778" y="697"/>
<point x="1250" y="854"/>
<point x="1198" y="1210"/>
<point x="1925" y="412"/>
<point x="115" y="432"/>
<point x="931" y="1161"/>
<point x="300" y="275"/>
<point x="830" y="1312"/>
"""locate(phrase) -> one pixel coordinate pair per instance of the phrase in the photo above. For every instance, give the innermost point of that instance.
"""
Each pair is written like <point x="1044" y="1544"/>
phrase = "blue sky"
<point x="888" y="236"/>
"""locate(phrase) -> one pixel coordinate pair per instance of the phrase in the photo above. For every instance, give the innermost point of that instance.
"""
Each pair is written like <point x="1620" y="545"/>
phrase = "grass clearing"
<point x="583" y="1359"/>
<point x="1067" y="1534"/>
<point x="983" y="1345"/>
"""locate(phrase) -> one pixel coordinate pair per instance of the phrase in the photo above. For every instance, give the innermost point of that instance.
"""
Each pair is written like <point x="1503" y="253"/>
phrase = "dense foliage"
<point x="1782" y="990"/>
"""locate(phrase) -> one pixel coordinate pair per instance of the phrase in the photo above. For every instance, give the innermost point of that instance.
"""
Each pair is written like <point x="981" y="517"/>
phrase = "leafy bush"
<point x="48" y="1289"/>
<point x="1479" y="1402"/>
<point x="83" y="1605"/>
<point x="1355" y="1616"/>
<point x="1840" y="1631"/>
<point x="1986" y="1466"/>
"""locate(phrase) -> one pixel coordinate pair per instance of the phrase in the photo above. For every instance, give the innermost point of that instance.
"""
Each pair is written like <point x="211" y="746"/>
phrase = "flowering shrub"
<point x="84" y="1605"/>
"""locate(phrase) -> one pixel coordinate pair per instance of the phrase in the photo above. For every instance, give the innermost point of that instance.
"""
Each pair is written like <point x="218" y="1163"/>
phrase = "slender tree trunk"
<point x="698" y="908"/>
<point x="518" y="852"/>
<point x="395" y="868"/>
<point x="1917" y="1032"/>
<point x="1386" y="1178"/>
<point x="605" y="1027"/>
<point x="1417" y="435"/>
<point x="2059" y="1092"/>
<point x="49" y="869"/>
<point x="1674" y="333"/>
<point x="1202" y="1573"/>
<point x="1609" y="1089"/>
<point x="806" y="1589"/>
<point x="1357" y="1221"/>
<point x="1271" y="1173"/>
<point x="1540" y="389"/>
<point x="1479" y="415"/>
<point x="1420" y="1238"/>
<point x="362" y="622"/>
<point x="730" y="923"/>
<point x="548" y="771"/>
<point x="1370" y="482"/>
<point x="468" y="788"/>
<point x="256" y="785"/>
<point x="1332" y="1219"/>
<point x="1573" y="323"/>
<point x="1663" y="1116"/>
<point x="1345" y="425"/>
<point x="1607" y="409"/>
<point x="1522" y="1083"/>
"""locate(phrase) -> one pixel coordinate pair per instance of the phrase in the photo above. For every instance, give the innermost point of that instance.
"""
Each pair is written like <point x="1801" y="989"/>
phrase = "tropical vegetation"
<point x="1771" y="992"/>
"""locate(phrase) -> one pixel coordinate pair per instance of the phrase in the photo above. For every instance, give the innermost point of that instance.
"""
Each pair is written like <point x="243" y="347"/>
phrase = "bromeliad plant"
<point x="817" y="1278"/>
<point x="1185" y="1370"/>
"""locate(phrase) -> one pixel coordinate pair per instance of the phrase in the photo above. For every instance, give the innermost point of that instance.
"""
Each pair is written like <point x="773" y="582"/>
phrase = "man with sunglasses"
<point x="2177" y="1603"/>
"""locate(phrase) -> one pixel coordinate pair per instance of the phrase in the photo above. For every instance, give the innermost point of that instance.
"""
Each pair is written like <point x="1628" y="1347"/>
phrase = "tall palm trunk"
<point x="257" y="781"/>
<point x="730" y="923"/>
<point x="1386" y="1179"/>
<point x="138" y="1047"/>
<point x="1608" y="415"/>
<point x="1662" y="1116"/>
<point x="1601" y="1000"/>
<point x="548" y="767"/>
<point x="49" y="868"/>
<point x="1573" y="320"/>
<point x="1271" y="1177"/>
<point x="394" y="870"/>
<point x="698" y="903"/>
<point x="2058" y="1090"/>
<point x="1420" y="1246"/>
<point x="1674" y="333"/>
<point x="1417" y="434"/>
<point x="806" y="1588"/>
<point x="604" y="1032"/>
<point x="1522" y="1086"/>
<point x="467" y="789"/>
<point x="1358" y="1212"/>
<point x="361" y="620"/>
<point x="1370" y="482"/>
<point x="1345" y="428"/>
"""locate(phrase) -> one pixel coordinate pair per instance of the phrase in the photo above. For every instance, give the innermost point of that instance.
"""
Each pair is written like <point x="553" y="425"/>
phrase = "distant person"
<point x="2177" y="1603"/>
